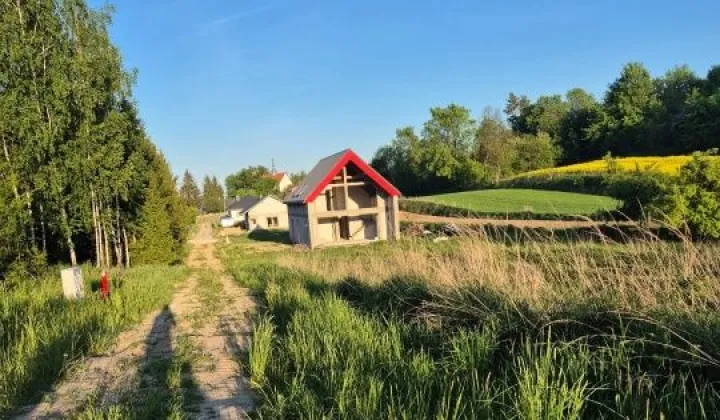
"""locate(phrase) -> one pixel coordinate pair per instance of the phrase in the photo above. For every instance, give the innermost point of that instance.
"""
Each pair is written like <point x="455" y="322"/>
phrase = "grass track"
<point x="521" y="200"/>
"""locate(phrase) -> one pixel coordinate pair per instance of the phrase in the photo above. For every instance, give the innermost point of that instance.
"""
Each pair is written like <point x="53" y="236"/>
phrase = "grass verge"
<point x="42" y="334"/>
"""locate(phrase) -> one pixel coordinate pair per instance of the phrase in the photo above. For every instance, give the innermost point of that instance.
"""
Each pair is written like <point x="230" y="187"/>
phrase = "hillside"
<point x="668" y="164"/>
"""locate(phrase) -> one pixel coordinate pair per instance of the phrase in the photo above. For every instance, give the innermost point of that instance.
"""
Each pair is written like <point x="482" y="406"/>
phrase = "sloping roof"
<point x="277" y="176"/>
<point x="324" y="171"/>
<point x="244" y="203"/>
<point x="263" y="201"/>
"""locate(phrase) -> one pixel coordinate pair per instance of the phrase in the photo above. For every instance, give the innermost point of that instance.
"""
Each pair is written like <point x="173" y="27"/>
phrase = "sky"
<point x="227" y="84"/>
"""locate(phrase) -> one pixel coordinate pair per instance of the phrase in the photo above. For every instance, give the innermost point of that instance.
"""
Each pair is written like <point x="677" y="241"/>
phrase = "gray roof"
<point x="313" y="178"/>
<point x="243" y="204"/>
<point x="269" y="197"/>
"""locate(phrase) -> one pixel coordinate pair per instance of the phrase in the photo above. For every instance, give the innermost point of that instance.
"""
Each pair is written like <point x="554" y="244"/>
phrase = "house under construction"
<point x="343" y="201"/>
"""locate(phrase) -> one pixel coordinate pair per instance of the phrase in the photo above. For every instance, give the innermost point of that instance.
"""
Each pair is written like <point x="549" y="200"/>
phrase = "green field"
<point x="531" y="201"/>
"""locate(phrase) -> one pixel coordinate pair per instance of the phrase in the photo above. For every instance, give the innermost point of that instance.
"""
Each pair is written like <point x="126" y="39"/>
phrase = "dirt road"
<point x="209" y="315"/>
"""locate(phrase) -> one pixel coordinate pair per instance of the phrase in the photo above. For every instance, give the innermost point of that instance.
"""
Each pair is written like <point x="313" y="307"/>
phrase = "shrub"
<point x="694" y="199"/>
<point x="587" y="183"/>
<point x="636" y="190"/>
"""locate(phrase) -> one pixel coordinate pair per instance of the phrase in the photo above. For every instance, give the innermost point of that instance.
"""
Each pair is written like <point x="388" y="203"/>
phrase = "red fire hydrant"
<point x="104" y="286"/>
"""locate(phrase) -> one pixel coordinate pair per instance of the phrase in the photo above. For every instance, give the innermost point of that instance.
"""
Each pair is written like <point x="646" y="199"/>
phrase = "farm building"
<point x="343" y="201"/>
<point x="238" y="207"/>
<point x="282" y="179"/>
<point x="268" y="213"/>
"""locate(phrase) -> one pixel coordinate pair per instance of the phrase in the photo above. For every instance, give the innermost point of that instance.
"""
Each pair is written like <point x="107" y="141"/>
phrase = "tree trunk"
<point x="68" y="235"/>
<point x="7" y="158"/>
<point x="106" y="245"/>
<point x="32" y="221"/>
<point x="108" y="261"/>
<point x="96" y="228"/>
<point x="42" y="227"/>
<point x="73" y="257"/>
<point x="127" y="249"/>
<point x="116" y="234"/>
<point x="117" y="244"/>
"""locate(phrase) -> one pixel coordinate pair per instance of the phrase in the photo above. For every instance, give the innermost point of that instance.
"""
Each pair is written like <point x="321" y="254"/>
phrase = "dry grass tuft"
<point x="642" y="275"/>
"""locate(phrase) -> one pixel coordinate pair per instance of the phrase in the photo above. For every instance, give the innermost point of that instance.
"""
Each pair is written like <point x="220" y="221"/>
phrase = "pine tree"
<point x="190" y="191"/>
<point x="213" y="196"/>
<point x="155" y="244"/>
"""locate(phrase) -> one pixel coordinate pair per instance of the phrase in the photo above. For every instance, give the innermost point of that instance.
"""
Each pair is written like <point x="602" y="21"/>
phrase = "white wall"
<point x="238" y="215"/>
<point x="258" y="215"/>
<point x="284" y="183"/>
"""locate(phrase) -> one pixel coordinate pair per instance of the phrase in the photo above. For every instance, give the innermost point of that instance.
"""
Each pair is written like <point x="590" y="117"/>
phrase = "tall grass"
<point x="535" y="329"/>
<point x="540" y="272"/>
<point x="261" y="350"/>
<point x="42" y="334"/>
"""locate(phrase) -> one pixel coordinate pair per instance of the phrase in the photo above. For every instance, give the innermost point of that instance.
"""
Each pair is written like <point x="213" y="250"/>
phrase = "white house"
<point x="238" y="207"/>
<point x="268" y="213"/>
<point x="282" y="179"/>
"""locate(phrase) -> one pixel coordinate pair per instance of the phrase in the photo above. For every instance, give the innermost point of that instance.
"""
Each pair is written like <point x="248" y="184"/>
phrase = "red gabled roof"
<point x="277" y="176"/>
<point x="321" y="175"/>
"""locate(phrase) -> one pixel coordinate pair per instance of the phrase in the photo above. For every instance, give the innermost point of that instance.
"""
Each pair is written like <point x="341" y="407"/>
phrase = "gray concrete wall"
<point x="392" y="212"/>
<point x="358" y="198"/>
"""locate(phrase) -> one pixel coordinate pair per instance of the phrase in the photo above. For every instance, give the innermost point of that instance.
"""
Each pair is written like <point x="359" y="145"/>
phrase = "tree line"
<point x="677" y="113"/>
<point x="252" y="180"/>
<point x="257" y="181"/>
<point x="81" y="178"/>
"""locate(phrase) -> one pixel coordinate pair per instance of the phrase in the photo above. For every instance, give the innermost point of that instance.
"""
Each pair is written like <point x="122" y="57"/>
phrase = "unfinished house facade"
<point x="343" y="201"/>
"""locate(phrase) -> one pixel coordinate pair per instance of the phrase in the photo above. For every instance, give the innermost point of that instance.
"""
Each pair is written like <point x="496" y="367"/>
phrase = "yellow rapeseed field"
<point x="668" y="164"/>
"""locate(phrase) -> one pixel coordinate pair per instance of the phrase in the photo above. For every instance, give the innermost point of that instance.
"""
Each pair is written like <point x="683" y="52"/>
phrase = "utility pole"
<point x="272" y="170"/>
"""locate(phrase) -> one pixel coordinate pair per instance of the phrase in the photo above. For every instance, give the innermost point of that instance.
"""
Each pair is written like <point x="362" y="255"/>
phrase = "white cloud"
<point x="215" y="25"/>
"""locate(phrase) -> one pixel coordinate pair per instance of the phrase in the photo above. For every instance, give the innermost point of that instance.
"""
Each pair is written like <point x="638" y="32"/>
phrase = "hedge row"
<point x="443" y="210"/>
<point x="635" y="189"/>
<point x="586" y="183"/>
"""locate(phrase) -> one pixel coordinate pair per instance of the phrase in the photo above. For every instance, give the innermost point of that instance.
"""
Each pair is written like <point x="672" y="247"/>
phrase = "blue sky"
<point x="227" y="84"/>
